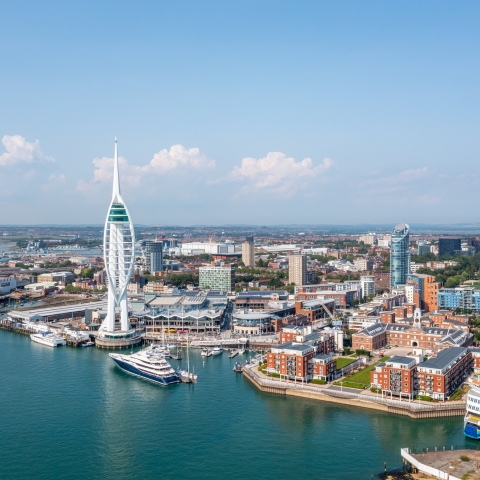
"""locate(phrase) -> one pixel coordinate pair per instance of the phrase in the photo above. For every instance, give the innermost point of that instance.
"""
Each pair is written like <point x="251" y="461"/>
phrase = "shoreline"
<point x="412" y="410"/>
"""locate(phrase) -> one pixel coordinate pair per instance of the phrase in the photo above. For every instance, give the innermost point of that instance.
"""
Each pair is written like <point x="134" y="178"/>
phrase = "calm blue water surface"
<point x="72" y="414"/>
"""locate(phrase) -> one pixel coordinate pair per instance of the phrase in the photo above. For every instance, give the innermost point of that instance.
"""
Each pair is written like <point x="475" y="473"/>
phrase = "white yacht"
<point x="48" y="338"/>
<point x="149" y="364"/>
<point x="206" y="352"/>
<point x="217" y="350"/>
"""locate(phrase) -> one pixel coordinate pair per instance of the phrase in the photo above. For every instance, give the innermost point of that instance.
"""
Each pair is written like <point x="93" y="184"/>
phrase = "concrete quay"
<point x="362" y="399"/>
<point x="444" y="462"/>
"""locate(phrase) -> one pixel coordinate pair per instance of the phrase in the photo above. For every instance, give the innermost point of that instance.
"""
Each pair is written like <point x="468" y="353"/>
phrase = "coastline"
<point x="411" y="409"/>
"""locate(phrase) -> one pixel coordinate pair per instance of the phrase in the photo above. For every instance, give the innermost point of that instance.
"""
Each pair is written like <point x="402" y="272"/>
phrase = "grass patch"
<point x="457" y="394"/>
<point x="425" y="398"/>
<point x="349" y="384"/>
<point x="464" y="458"/>
<point x="343" y="362"/>
<point x="363" y="377"/>
<point x="263" y="369"/>
<point x="319" y="381"/>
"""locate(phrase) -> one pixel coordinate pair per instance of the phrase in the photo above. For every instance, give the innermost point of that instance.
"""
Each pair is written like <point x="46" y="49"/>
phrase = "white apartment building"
<point x="367" y="285"/>
<point x="363" y="264"/>
<point x="385" y="241"/>
<point x="414" y="267"/>
<point x="196" y="248"/>
<point x="217" y="278"/>
<point x="368" y="238"/>
<point x="360" y="322"/>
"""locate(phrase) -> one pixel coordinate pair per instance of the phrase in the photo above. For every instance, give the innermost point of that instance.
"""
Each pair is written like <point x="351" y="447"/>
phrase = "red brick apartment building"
<point x="324" y="292"/>
<point x="395" y="376"/>
<point x="440" y="376"/>
<point x="292" y="361"/>
<point x="382" y="281"/>
<point x="291" y="333"/>
<point x="437" y="378"/>
<point x="324" y="367"/>
<point x="414" y="335"/>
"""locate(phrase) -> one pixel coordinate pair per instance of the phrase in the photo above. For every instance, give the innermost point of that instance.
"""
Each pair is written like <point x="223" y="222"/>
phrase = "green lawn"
<point x="361" y="379"/>
<point x="344" y="361"/>
<point x="349" y="385"/>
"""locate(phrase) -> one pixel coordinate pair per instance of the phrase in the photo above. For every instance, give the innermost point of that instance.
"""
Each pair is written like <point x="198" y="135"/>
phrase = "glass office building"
<point x="399" y="255"/>
<point x="154" y="256"/>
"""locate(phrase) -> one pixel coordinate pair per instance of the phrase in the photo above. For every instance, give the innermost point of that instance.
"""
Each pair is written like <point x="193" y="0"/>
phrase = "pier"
<point x="25" y="329"/>
<point x="447" y="462"/>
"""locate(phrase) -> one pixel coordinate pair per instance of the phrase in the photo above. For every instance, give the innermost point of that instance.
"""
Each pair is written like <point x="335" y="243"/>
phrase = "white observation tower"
<point x="119" y="258"/>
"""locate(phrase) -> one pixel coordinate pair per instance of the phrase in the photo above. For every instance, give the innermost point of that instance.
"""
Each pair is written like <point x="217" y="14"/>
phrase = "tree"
<point x="290" y="288"/>
<point x="275" y="282"/>
<point x="88" y="273"/>
<point x="261" y="264"/>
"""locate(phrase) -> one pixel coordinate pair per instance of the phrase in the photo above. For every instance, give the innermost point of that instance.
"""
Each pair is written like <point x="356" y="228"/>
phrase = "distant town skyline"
<point x="264" y="114"/>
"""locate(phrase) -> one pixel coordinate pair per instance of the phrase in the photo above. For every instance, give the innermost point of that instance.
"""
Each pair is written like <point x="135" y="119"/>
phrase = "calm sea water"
<point x="72" y="414"/>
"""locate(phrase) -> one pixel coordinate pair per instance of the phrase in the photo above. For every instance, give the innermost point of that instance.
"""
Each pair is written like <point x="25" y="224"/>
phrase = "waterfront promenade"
<point x="362" y="398"/>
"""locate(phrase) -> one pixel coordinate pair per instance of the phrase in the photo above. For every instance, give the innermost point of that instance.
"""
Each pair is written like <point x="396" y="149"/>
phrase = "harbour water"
<point x="70" y="413"/>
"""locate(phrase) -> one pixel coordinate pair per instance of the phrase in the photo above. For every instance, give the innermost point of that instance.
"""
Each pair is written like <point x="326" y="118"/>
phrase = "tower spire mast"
<point x="116" y="178"/>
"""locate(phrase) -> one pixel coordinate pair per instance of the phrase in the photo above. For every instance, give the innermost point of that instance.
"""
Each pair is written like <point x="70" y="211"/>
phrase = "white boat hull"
<point x="49" y="342"/>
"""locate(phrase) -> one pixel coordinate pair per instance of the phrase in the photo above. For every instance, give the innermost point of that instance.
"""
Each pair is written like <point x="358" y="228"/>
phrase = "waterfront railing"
<point x="413" y="405"/>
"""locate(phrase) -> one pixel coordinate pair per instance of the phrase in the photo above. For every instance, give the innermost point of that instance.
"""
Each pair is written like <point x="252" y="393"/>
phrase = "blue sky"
<point x="241" y="112"/>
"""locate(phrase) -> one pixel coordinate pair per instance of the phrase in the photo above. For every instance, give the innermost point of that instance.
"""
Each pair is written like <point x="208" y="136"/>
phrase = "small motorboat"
<point x="88" y="344"/>
<point x="186" y="376"/>
<point x="206" y="352"/>
<point x="237" y="368"/>
<point x="217" y="350"/>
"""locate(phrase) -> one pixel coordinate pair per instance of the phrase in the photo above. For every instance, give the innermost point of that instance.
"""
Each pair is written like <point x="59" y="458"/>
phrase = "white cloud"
<point x="395" y="182"/>
<point x="277" y="173"/>
<point x="178" y="157"/>
<point x="19" y="151"/>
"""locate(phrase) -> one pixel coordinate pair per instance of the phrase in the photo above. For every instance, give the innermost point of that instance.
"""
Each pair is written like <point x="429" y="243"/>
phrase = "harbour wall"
<point x="412" y="410"/>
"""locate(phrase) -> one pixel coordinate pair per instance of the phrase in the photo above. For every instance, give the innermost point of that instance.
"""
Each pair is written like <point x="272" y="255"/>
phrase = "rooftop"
<point x="401" y="360"/>
<point x="444" y="358"/>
